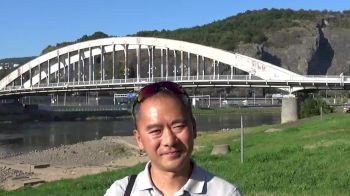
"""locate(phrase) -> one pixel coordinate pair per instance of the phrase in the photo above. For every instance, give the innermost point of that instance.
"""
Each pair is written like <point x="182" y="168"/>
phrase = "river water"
<point x="29" y="136"/>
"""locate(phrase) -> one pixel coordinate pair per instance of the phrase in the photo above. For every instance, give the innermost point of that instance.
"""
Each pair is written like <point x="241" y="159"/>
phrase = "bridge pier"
<point x="289" y="110"/>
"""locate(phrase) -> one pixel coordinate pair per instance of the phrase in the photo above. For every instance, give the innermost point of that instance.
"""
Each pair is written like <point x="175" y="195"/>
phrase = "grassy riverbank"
<point x="308" y="157"/>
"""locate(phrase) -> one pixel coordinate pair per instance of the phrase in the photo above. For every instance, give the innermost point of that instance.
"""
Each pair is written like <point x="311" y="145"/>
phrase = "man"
<point x="165" y="129"/>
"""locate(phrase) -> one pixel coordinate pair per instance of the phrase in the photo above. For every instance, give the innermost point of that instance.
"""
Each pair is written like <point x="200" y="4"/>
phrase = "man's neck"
<point x="170" y="182"/>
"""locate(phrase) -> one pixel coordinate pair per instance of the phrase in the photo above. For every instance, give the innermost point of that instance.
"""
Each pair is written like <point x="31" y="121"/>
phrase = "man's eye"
<point x="155" y="132"/>
<point x="179" y="127"/>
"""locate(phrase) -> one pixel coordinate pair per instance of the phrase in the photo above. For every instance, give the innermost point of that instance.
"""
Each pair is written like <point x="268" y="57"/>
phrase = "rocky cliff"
<point x="314" y="49"/>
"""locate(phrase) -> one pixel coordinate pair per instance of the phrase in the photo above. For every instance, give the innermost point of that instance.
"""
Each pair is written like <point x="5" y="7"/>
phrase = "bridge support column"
<point x="182" y="65"/>
<point x="102" y="64"/>
<point x="90" y="63"/>
<point x="39" y="66"/>
<point x="138" y="64"/>
<point x="203" y="71"/>
<point x="48" y="71"/>
<point x="79" y="53"/>
<point x="166" y="63"/>
<point x="21" y="77"/>
<point x="161" y="63"/>
<point x="30" y="76"/>
<point x="197" y="66"/>
<point x="58" y="67"/>
<point x="113" y="62"/>
<point x="83" y="68"/>
<point x="213" y="68"/>
<point x="149" y="62"/>
<point x="126" y="56"/>
<point x="69" y="72"/>
<point x="175" y="65"/>
<point x="152" y="62"/>
<point x="93" y="68"/>
<point x="218" y="69"/>
<point x="189" y="65"/>
<point x="64" y="69"/>
<point x="289" y="112"/>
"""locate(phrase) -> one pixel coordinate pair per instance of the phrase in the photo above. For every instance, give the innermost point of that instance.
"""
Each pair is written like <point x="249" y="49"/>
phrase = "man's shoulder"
<point x="141" y="182"/>
<point x="217" y="184"/>
<point x="118" y="187"/>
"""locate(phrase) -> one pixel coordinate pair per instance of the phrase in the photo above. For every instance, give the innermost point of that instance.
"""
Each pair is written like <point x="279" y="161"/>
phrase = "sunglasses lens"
<point x="147" y="91"/>
<point x="173" y="87"/>
<point x="152" y="89"/>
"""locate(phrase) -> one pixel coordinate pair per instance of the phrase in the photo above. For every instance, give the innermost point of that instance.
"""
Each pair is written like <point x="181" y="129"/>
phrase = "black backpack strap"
<point x="131" y="182"/>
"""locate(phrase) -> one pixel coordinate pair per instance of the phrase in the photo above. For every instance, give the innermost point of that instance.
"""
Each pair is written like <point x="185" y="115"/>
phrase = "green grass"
<point x="309" y="157"/>
<point x="306" y="158"/>
<point x="86" y="185"/>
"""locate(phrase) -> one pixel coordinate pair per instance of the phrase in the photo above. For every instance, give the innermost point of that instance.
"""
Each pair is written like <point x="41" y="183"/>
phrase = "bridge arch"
<point x="61" y="61"/>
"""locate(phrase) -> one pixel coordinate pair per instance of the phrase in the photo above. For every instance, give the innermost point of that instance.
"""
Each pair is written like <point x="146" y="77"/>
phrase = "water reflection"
<point x="28" y="136"/>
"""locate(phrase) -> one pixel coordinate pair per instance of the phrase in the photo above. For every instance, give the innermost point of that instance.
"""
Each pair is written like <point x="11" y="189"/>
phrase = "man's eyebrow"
<point x="156" y="126"/>
<point x="179" y="120"/>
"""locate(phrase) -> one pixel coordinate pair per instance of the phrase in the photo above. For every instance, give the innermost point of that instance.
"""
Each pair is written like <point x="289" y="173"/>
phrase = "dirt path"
<point x="69" y="161"/>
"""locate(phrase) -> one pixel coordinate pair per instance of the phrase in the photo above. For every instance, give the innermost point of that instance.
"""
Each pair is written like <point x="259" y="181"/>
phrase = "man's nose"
<point x="169" y="138"/>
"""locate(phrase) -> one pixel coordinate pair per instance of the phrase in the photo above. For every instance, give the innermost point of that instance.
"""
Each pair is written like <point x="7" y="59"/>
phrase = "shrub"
<point x="311" y="107"/>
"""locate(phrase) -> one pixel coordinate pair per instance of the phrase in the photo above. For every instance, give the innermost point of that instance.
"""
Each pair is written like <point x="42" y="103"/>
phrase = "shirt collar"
<point x="143" y="181"/>
<point x="195" y="184"/>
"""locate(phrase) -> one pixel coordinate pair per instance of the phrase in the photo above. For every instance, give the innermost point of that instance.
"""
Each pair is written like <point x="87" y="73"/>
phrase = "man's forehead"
<point x="155" y="105"/>
<point x="159" y="97"/>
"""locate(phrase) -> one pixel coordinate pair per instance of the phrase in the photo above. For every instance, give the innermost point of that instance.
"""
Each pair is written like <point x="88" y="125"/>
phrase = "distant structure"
<point x="93" y="66"/>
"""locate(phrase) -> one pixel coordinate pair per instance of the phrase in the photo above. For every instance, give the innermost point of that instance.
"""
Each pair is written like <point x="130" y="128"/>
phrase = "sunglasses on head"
<point x="154" y="88"/>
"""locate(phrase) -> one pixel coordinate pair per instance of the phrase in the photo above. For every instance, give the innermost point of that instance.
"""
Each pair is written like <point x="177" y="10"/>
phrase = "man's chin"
<point x="175" y="164"/>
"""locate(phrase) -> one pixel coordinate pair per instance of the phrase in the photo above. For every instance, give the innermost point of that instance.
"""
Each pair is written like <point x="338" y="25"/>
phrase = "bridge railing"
<point x="193" y="78"/>
<point x="215" y="78"/>
<point x="325" y="79"/>
<point x="82" y="108"/>
<point x="322" y="77"/>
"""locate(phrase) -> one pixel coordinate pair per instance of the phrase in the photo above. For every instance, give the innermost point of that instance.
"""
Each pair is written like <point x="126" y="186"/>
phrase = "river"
<point x="28" y="136"/>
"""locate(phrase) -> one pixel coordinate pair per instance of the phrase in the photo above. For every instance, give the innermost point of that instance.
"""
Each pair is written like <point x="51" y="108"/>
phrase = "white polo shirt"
<point x="201" y="182"/>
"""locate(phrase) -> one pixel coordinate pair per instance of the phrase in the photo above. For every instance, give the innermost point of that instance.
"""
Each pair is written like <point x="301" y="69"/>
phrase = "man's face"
<point x="165" y="132"/>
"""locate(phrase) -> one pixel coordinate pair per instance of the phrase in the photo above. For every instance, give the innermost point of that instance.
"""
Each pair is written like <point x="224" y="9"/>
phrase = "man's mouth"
<point x="172" y="153"/>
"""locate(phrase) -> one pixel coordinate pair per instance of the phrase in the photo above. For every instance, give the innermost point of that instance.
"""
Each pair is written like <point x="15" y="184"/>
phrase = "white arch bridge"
<point x="132" y="62"/>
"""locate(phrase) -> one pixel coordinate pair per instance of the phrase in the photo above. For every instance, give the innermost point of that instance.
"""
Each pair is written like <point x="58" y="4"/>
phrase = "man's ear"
<point x="138" y="139"/>
<point x="194" y="127"/>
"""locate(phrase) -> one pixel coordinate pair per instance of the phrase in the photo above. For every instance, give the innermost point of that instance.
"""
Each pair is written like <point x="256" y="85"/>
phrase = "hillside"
<point x="8" y="64"/>
<point x="20" y="60"/>
<point x="304" y="41"/>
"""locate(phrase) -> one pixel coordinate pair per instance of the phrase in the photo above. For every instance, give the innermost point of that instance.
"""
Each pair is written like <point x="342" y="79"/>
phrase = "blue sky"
<point x="28" y="26"/>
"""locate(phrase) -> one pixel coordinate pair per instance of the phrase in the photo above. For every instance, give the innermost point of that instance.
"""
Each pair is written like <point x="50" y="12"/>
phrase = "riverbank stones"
<point x="220" y="149"/>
